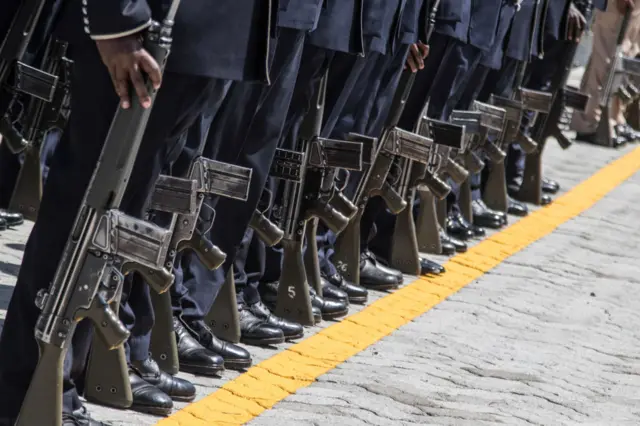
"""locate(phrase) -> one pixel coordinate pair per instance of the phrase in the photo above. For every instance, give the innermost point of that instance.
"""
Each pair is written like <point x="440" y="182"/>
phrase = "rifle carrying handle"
<point x="210" y="255"/>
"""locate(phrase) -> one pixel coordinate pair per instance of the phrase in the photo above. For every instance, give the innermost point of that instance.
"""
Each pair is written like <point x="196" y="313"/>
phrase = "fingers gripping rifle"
<point x="40" y="118"/>
<point x="395" y="142"/>
<point x="88" y="276"/>
<point x="306" y="176"/>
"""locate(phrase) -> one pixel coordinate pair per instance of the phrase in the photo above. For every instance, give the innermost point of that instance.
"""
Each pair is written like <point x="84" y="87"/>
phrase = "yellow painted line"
<point x="271" y="381"/>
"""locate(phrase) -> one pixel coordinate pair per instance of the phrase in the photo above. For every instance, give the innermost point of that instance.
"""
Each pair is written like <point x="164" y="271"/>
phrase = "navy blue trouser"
<point x="246" y="132"/>
<point x="93" y="105"/>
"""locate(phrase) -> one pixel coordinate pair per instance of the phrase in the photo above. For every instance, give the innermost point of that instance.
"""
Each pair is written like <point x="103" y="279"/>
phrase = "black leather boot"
<point x="458" y="227"/>
<point x="12" y="219"/>
<point x="550" y="186"/>
<point x="355" y="293"/>
<point x="291" y="330"/>
<point x="80" y="417"/>
<point x="332" y="292"/>
<point x="451" y="245"/>
<point x="147" y="398"/>
<point x="256" y="331"/>
<point x="177" y="389"/>
<point x="195" y="358"/>
<point x="3" y="225"/>
<point x="330" y="309"/>
<point x="485" y="217"/>
<point x="517" y="208"/>
<point x="235" y="357"/>
<point x="376" y="276"/>
<point x="427" y="267"/>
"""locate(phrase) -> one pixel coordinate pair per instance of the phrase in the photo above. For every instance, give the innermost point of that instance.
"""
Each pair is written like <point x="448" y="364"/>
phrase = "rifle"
<point x="395" y="142"/>
<point x="41" y="117"/>
<point x="495" y="190"/>
<point x="183" y="199"/>
<point x="447" y="139"/>
<point x="101" y="239"/>
<point x="620" y="66"/>
<point x="492" y="120"/>
<point x="306" y="175"/>
<point x="546" y="126"/>
<point x="468" y="125"/>
<point x="27" y="80"/>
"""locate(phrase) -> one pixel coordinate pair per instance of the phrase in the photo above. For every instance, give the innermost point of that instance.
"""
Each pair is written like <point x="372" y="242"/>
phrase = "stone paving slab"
<point x="549" y="337"/>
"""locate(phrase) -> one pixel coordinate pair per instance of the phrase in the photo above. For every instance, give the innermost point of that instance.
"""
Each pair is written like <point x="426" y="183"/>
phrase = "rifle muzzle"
<point x="437" y="186"/>
<point x="160" y="280"/>
<point x="495" y="154"/>
<point x="455" y="171"/>
<point x="210" y="255"/>
<point x="266" y="230"/>
<point x="331" y="217"/>
<point x="106" y="322"/>
<point x="527" y="143"/>
<point x="344" y="205"/>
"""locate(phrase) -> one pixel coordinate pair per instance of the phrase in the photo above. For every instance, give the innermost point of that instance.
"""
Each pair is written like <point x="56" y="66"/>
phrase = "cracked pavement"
<point x="545" y="338"/>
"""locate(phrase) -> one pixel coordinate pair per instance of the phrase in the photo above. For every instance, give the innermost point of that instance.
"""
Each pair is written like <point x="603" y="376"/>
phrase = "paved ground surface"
<point x="545" y="338"/>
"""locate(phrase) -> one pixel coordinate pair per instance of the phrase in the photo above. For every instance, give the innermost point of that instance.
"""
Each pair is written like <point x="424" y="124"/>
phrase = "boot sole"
<point x="358" y="300"/>
<point x="12" y="225"/>
<point x="262" y="342"/>
<point x="201" y="371"/>
<point x="237" y="364"/>
<point x="335" y="315"/>
<point x="182" y="398"/>
<point x="156" y="411"/>
<point x="295" y="337"/>
<point x="381" y="287"/>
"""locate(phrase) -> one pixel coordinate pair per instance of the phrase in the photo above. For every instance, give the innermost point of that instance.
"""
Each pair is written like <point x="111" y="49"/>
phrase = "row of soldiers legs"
<point x="290" y="227"/>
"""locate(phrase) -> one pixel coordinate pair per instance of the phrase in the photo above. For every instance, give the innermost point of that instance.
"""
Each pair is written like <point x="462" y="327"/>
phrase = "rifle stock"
<point x="223" y="315"/>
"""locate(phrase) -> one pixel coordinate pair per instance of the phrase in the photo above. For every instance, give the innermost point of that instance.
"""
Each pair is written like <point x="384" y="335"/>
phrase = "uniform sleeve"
<point x="107" y="19"/>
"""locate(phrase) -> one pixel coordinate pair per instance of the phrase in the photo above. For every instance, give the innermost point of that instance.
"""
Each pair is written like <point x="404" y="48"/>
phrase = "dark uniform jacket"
<point x="493" y="58"/>
<point x="470" y="21"/>
<point x="339" y="27"/>
<point x="380" y="24"/>
<point x="226" y="39"/>
<point x="299" y="14"/>
<point x="413" y="21"/>
<point x="519" y="45"/>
